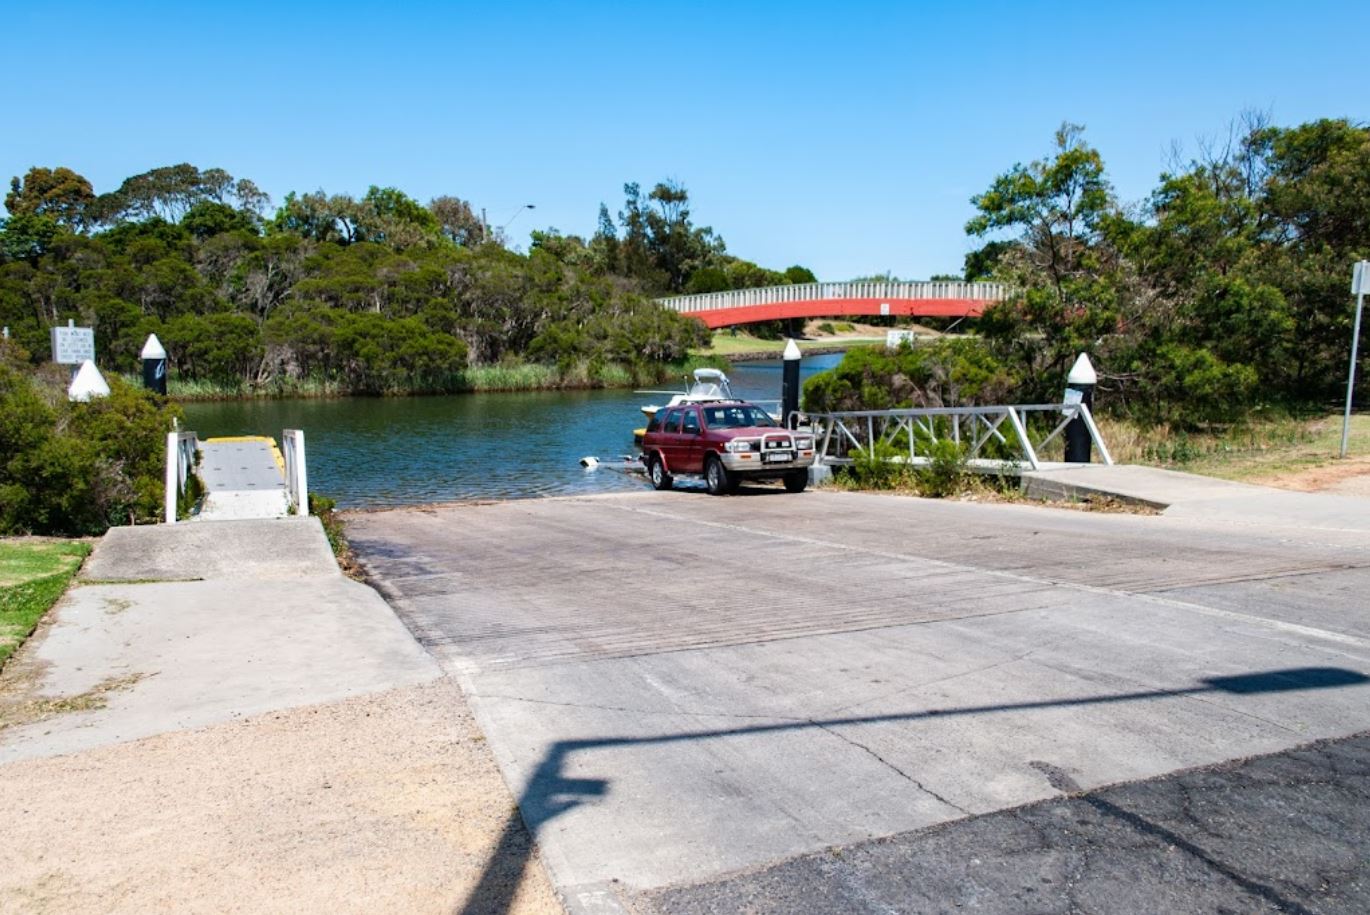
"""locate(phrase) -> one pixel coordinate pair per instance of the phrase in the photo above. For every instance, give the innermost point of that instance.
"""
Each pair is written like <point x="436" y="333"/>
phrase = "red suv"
<point x="726" y="442"/>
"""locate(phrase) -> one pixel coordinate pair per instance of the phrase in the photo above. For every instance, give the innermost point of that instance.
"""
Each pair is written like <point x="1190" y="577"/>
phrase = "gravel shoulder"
<point x="389" y="802"/>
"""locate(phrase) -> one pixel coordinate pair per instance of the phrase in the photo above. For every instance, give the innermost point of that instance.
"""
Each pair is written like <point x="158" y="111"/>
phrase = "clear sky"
<point x="844" y="136"/>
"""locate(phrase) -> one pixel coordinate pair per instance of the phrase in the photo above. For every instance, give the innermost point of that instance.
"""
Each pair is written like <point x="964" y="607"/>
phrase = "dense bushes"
<point x="1223" y="292"/>
<point x="76" y="468"/>
<point x="376" y="294"/>
<point x="944" y="372"/>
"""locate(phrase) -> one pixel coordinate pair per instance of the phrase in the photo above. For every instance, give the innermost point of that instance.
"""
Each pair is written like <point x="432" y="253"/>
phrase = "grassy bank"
<point x="513" y="376"/>
<point x="33" y="574"/>
<point x="1256" y="451"/>
<point x="728" y="345"/>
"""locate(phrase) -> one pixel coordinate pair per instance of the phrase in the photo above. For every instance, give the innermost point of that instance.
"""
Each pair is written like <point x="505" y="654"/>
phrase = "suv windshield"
<point x="736" y="416"/>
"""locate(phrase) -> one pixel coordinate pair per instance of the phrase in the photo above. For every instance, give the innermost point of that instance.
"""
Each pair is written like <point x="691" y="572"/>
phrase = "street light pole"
<point x="526" y="206"/>
<point x="1360" y="281"/>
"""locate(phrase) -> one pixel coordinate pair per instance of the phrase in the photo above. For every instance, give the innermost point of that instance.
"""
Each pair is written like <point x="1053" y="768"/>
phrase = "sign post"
<point x="1360" y="283"/>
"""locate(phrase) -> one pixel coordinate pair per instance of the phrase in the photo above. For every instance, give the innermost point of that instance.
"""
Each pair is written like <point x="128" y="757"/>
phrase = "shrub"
<point x="77" y="468"/>
<point x="946" y="473"/>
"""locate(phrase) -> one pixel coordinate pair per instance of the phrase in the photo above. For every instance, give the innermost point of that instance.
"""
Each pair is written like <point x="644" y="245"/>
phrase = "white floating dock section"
<point x="243" y="477"/>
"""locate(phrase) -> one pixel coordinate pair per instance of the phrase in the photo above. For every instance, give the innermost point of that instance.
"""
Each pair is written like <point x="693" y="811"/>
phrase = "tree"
<point x="170" y="191"/>
<point x="1070" y="282"/>
<point x="457" y="221"/>
<point x="59" y="194"/>
<point x="26" y="236"/>
<point x="209" y="218"/>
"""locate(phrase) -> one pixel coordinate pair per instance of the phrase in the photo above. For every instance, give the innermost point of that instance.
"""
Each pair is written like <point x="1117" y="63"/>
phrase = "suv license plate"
<point x="778" y="456"/>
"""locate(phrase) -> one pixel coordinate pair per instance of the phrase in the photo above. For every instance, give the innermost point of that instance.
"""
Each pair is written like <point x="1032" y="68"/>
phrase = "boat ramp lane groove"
<point x="681" y="687"/>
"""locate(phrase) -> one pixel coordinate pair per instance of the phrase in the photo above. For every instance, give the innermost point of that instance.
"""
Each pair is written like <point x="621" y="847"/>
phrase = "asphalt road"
<point x="699" y="699"/>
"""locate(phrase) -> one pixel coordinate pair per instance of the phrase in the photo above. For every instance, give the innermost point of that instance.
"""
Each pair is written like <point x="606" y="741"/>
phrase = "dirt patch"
<point x="19" y="707"/>
<point x="382" y="803"/>
<point x="1351" y="476"/>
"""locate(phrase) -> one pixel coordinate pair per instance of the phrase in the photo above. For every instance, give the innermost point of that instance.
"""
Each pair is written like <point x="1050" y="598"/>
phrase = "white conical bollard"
<point x="87" y="384"/>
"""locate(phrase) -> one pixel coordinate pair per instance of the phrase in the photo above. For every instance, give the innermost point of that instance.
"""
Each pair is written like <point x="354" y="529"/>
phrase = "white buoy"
<point x="589" y="463"/>
<point x="88" y="383"/>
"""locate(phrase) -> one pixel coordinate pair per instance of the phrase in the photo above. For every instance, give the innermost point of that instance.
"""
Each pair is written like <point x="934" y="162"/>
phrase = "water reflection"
<point x="372" y="452"/>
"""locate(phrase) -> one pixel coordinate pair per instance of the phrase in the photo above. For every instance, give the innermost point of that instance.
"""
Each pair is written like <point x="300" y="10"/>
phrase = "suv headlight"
<point x="804" y="444"/>
<point x="739" y="444"/>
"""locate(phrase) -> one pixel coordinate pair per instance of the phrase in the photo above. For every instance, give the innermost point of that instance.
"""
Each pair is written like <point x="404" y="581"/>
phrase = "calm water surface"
<point x="370" y="452"/>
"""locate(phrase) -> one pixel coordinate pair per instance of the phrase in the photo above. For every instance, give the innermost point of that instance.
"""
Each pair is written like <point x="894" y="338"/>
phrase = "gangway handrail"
<point x="296" y="472"/>
<point x="182" y="449"/>
<point x="846" y="429"/>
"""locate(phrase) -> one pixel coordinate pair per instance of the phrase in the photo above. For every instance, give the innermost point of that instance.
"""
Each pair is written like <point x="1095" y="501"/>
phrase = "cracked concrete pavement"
<point x="681" y="688"/>
<point x="1279" y="833"/>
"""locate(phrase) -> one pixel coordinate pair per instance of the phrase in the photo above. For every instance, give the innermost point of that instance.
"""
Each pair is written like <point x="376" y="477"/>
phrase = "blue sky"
<point x="847" y="137"/>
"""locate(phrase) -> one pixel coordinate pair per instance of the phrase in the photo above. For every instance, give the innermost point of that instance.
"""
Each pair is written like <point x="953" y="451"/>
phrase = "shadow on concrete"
<point x="548" y="793"/>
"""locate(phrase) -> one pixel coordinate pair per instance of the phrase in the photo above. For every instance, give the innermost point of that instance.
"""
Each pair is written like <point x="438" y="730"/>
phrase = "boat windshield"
<point x="736" y="416"/>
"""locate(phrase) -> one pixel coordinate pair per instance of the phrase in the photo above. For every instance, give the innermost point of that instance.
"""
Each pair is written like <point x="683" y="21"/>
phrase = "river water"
<point x="373" y="452"/>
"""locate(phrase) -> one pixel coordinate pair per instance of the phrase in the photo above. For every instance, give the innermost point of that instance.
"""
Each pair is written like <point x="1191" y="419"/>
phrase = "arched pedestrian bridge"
<point x="820" y="300"/>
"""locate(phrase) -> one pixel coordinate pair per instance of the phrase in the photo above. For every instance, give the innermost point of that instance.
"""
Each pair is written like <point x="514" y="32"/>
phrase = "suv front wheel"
<point x="716" y="477"/>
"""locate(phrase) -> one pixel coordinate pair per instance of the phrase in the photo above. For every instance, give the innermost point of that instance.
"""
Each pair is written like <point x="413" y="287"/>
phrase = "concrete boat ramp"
<point x="864" y="703"/>
<point x="822" y="702"/>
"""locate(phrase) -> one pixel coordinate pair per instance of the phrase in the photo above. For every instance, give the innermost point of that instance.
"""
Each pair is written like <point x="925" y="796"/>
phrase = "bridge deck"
<point x="243" y="478"/>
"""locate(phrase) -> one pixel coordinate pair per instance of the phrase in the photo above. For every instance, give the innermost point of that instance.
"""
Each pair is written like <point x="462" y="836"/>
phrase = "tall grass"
<point x="503" y="376"/>
<point x="1259" y="447"/>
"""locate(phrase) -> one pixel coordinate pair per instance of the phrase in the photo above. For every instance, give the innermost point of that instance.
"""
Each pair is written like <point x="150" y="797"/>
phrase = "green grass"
<point x="33" y="574"/>
<point x="725" y="343"/>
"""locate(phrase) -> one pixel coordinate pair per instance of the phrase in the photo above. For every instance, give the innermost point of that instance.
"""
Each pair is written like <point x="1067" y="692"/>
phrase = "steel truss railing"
<point x="973" y="428"/>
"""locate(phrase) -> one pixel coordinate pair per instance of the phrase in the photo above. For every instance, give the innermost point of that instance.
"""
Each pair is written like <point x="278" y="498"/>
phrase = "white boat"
<point x="709" y="384"/>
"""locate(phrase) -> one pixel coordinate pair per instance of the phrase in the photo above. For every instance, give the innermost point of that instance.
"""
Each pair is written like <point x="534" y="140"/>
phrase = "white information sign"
<point x="895" y="337"/>
<point x="1360" y="278"/>
<point x="884" y="309"/>
<point x="73" y="345"/>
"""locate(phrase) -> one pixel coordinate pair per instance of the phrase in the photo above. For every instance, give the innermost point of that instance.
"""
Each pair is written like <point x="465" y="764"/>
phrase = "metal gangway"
<point x="995" y="439"/>
<point x="238" y="477"/>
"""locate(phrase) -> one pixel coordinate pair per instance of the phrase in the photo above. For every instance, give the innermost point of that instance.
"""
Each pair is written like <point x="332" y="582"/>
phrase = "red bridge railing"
<point x="813" y="300"/>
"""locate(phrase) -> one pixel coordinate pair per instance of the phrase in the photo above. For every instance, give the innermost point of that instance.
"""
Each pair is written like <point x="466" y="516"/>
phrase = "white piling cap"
<point x="792" y="351"/>
<point x="88" y="383"/>
<point x="1082" y="372"/>
<point x="153" y="348"/>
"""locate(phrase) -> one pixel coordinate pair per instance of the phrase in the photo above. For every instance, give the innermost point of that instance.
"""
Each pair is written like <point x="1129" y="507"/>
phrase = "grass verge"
<point x="34" y="573"/>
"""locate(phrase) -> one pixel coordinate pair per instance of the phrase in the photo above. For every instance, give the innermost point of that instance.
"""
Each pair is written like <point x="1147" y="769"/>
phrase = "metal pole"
<point x="789" y="386"/>
<point x="1351" y="379"/>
